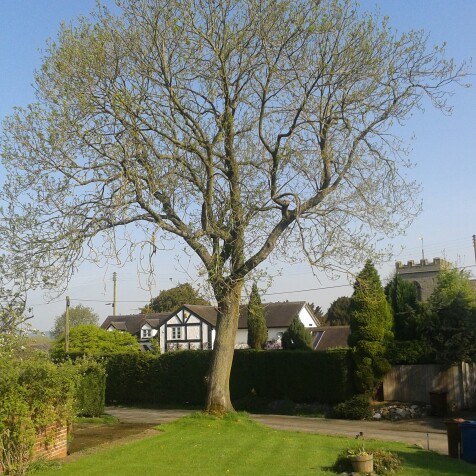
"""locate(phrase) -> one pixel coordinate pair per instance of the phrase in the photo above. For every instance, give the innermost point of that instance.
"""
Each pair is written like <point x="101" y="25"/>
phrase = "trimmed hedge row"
<point x="179" y="377"/>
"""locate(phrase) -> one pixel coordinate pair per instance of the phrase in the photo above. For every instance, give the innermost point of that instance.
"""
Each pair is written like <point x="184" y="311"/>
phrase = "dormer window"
<point x="146" y="333"/>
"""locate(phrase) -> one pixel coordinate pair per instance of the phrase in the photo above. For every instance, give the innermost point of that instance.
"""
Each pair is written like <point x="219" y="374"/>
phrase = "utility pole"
<point x="474" y="246"/>
<point x="66" y="326"/>
<point x="114" y="280"/>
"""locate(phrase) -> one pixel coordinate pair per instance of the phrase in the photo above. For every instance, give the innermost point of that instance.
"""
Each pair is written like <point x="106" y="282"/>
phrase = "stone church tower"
<point x="422" y="274"/>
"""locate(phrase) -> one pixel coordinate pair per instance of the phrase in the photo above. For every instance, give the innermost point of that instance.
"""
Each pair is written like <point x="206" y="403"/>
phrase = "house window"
<point x="176" y="332"/>
<point x="146" y="333"/>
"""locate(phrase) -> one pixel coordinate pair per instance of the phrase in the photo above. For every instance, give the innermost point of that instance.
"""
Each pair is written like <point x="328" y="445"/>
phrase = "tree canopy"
<point x="243" y="128"/>
<point x="338" y="313"/>
<point x="450" y="327"/>
<point x="77" y="315"/>
<point x="91" y="340"/>
<point x="171" y="299"/>
<point x="402" y="297"/>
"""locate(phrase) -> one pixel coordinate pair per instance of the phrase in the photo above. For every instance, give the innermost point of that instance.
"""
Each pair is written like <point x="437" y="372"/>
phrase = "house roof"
<point x="133" y="323"/>
<point x="277" y="314"/>
<point x="329" y="337"/>
<point x="207" y="313"/>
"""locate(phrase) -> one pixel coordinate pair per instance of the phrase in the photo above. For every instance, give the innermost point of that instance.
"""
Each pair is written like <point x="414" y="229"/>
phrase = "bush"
<point x="35" y="395"/>
<point x="385" y="462"/>
<point x="356" y="408"/>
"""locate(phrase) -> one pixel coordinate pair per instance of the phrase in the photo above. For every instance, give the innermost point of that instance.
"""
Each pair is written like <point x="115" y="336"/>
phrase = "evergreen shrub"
<point x="91" y="389"/>
<point x="356" y="408"/>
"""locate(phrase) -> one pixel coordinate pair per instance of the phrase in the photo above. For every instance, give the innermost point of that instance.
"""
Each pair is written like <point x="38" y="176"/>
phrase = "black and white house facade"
<point x="194" y="327"/>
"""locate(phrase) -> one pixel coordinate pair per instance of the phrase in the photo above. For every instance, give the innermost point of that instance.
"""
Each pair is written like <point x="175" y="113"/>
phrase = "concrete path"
<point x="426" y="433"/>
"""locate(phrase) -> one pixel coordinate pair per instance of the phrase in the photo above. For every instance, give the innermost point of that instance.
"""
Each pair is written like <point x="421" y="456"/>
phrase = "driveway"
<point x="428" y="433"/>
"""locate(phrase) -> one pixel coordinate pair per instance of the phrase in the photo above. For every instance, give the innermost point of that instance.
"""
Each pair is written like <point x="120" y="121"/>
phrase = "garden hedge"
<point x="180" y="377"/>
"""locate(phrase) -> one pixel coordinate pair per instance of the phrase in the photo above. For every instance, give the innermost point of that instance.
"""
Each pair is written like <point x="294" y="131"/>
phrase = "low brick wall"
<point x="51" y="443"/>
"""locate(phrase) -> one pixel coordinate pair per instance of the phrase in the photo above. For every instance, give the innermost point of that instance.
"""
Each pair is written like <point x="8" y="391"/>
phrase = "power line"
<point x="310" y="289"/>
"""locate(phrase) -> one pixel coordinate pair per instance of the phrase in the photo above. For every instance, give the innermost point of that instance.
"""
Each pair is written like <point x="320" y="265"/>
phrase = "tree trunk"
<point x="218" y="395"/>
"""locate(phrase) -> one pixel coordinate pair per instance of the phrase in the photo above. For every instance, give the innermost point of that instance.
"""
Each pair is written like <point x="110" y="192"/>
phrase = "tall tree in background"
<point x="370" y="328"/>
<point x="171" y="299"/>
<point x="89" y="339"/>
<point x="257" y="330"/>
<point x="78" y="315"/>
<point x="450" y="328"/>
<point x="402" y="297"/>
<point x="296" y="336"/>
<point x="241" y="127"/>
<point x="338" y="313"/>
<point x="317" y="310"/>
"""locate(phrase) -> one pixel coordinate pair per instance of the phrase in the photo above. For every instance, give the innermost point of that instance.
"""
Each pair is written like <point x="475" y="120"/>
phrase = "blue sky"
<point x="443" y="151"/>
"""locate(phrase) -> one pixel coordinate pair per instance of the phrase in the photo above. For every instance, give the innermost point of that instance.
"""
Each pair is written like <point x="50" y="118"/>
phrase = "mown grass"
<point x="235" y="445"/>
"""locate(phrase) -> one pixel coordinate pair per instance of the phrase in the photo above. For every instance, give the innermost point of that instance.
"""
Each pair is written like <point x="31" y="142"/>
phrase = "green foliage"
<point x="90" y="340"/>
<point x="409" y="352"/>
<point x="385" y="462"/>
<point x="370" y="324"/>
<point x="257" y="330"/>
<point x="169" y="300"/>
<point x="91" y="389"/>
<point x="338" y="313"/>
<point x="78" y="315"/>
<point x="34" y="395"/>
<point x="356" y="408"/>
<point x="13" y="312"/>
<point x="450" y="328"/>
<point x="407" y="314"/>
<point x="296" y="337"/>
<point x="179" y="377"/>
<point x="214" y="145"/>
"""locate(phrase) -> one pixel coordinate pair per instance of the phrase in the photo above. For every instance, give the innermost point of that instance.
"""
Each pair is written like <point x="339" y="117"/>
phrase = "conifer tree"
<point x="371" y="327"/>
<point x="296" y="337"/>
<point x="402" y="297"/>
<point x="257" y="330"/>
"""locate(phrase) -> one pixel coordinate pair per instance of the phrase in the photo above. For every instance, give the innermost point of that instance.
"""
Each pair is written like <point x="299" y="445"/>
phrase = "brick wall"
<point x="51" y="443"/>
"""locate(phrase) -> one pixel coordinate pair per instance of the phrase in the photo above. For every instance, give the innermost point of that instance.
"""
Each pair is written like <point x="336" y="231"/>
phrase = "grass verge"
<point x="235" y="445"/>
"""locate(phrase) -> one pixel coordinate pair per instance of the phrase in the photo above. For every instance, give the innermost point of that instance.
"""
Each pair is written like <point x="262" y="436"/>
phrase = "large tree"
<point x="91" y="340"/>
<point x="78" y="315"/>
<point x="407" y="313"/>
<point x="14" y="314"/>
<point x="450" y="327"/>
<point x="370" y="329"/>
<point x="241" y="127"/>
<point x="171" y="299"/>
<point x="338" y="313"/>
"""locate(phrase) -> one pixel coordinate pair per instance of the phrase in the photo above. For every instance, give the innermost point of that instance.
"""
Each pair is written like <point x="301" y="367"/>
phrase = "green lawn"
<point x="202" y="445"/>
